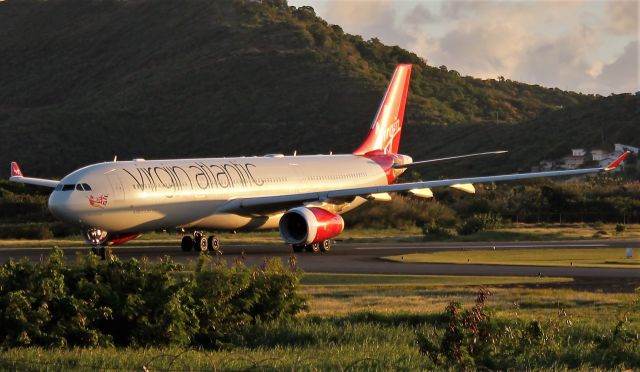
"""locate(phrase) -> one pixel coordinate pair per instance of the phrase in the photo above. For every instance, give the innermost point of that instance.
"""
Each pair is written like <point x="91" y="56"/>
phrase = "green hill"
<point x="84" y="80"/>
<point x="593" y="125"/>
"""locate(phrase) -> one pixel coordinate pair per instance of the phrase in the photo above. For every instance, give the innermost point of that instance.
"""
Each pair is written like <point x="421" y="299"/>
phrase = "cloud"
<point x="359" y="13"/>
<point x="622" y="16"/>
<point x="622" y="75"/>
<point x="559" y="61"/>
<point x="369" y="18"/>
<point x="418" y="16"/>
<point x="482" y="50"/>
<point x="571" y="44"/>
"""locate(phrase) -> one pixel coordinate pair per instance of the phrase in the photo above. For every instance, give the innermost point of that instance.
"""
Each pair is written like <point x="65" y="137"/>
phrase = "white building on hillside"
<point x="578" y="152"/>
<point x="620" y="148"/>
<point x="572" y="162"/>
<point x="597" y="155"/>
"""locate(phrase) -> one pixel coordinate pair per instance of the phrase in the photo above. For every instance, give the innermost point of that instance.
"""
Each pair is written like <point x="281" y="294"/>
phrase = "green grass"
<point x="600" y="257"/>
<point x="365" y="280"/>
<point x="520" y="232"/>
<point x="369" y="322"/>
<point x="361" y="342"/>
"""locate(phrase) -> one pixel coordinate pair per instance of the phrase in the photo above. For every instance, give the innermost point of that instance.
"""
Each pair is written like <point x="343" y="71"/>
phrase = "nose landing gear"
<point x="98" y="238"/>
<point x="200" y="243"/>
<point x="103" y="252"/>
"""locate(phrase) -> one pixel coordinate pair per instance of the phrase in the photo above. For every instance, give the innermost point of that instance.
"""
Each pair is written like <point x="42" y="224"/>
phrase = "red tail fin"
<point x="387" y="125"/>
<point x="15" y="170"/>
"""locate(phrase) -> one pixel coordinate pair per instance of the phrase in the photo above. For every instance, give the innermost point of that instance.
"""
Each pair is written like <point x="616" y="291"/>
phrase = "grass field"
<point x="518" y="232"/>
<point x="370" y="322"/>
<point x="344" y="294"/>
<point x="366" y="326"/>
<point x="591" y="257"/>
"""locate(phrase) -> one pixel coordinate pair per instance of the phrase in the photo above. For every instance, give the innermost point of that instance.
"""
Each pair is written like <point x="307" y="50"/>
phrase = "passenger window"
<point x="68" y="187"/>
<point x="86" y="187"/>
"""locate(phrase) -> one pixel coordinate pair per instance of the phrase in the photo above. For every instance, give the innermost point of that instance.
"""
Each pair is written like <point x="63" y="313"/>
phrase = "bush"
<point x="433" y="230"/>
<point x="26" y="231"/>
<point x="620" y="228"/>
<point x="472" y="339"/>
<point x="135" y="303"/>
<point x="480" y="222"/>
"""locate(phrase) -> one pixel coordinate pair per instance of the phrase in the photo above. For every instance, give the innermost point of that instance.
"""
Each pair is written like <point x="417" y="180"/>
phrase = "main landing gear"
<point x="322" y="246"/>
<point x="200" y="243"/>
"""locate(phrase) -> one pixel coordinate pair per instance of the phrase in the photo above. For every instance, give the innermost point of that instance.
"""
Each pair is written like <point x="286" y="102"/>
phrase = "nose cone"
<point x="60" y="207"/>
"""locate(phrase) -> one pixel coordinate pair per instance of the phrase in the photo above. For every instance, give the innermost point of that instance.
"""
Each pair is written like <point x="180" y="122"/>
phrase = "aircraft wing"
<point x="272" y="204"/>
<point x="16" y="176"/>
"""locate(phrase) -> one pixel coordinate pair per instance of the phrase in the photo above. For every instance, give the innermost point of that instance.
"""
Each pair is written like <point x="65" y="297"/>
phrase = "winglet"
<point x="15" y="170"/>
<point x="617" y="162"/>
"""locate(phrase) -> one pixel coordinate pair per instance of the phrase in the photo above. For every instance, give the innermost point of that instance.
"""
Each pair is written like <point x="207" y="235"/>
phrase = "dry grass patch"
<point x="583" y="257"/>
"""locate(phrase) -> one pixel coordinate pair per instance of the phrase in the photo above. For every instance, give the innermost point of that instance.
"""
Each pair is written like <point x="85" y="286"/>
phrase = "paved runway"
<point x="364" y="258"/>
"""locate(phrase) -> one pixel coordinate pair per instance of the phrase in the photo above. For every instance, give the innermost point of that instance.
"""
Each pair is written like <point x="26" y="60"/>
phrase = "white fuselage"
<point x="144" y="195"/>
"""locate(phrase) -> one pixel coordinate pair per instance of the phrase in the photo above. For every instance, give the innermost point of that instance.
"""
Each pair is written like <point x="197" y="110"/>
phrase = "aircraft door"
<point x="298" y="184"/>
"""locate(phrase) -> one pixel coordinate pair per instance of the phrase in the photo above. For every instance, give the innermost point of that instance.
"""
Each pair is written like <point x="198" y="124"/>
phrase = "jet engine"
<point x="309" y="225"/>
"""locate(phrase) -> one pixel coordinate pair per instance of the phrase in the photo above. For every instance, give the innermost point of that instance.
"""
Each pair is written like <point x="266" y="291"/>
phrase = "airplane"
<point x="302" y="196"/>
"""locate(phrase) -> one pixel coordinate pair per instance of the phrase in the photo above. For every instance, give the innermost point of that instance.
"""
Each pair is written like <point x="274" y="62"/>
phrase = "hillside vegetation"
<point x="84" y="80"/>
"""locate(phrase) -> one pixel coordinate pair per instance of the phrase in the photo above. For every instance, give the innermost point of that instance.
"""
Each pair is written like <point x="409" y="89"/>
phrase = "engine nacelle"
<point x="308" y="225"/>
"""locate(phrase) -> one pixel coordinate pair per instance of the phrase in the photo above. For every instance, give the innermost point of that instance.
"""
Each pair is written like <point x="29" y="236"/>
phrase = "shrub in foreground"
<point x="472" y="339"/>
<point x="137" y="303"/>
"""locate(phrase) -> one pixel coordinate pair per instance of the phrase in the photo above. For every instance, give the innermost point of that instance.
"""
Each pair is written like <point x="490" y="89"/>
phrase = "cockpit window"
<point x="59" y="187"/>
<point x="79" y="187"/>
<point x="86" y="187"/>
<point x="68" y="187"/>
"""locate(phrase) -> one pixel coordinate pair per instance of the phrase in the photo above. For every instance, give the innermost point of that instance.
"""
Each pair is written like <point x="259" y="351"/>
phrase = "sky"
<point x="589" y="46"/>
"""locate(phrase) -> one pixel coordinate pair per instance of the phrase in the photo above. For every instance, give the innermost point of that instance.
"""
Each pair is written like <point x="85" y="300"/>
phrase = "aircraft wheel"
<point x="213" y="244"/>
<point x="315" y="247"/>
<point x="200" y="243"/>
<point x="186" y="244"/>
<point x="297" y="248"/>
<point x="325" y="245"/>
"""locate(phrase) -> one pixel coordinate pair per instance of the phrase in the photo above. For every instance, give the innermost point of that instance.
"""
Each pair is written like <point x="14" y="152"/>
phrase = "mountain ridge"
<point x="84" y="80"/>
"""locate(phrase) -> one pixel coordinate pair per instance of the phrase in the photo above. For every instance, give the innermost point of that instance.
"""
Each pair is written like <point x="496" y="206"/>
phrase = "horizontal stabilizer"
<point x="422" y="162"/>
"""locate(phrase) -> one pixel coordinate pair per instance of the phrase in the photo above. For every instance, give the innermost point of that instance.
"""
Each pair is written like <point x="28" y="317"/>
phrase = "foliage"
<point x="467" y="335"/>
<point x="135" y="303"/>
<point x="400" y="213"/>
<point x="472" y="340"/>
<point x="539" y="336"/>
<point x="480" y="222"/>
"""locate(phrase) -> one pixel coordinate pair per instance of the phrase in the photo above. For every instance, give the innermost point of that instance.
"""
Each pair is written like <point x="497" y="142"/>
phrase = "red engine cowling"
<point x="302" y="225"/>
